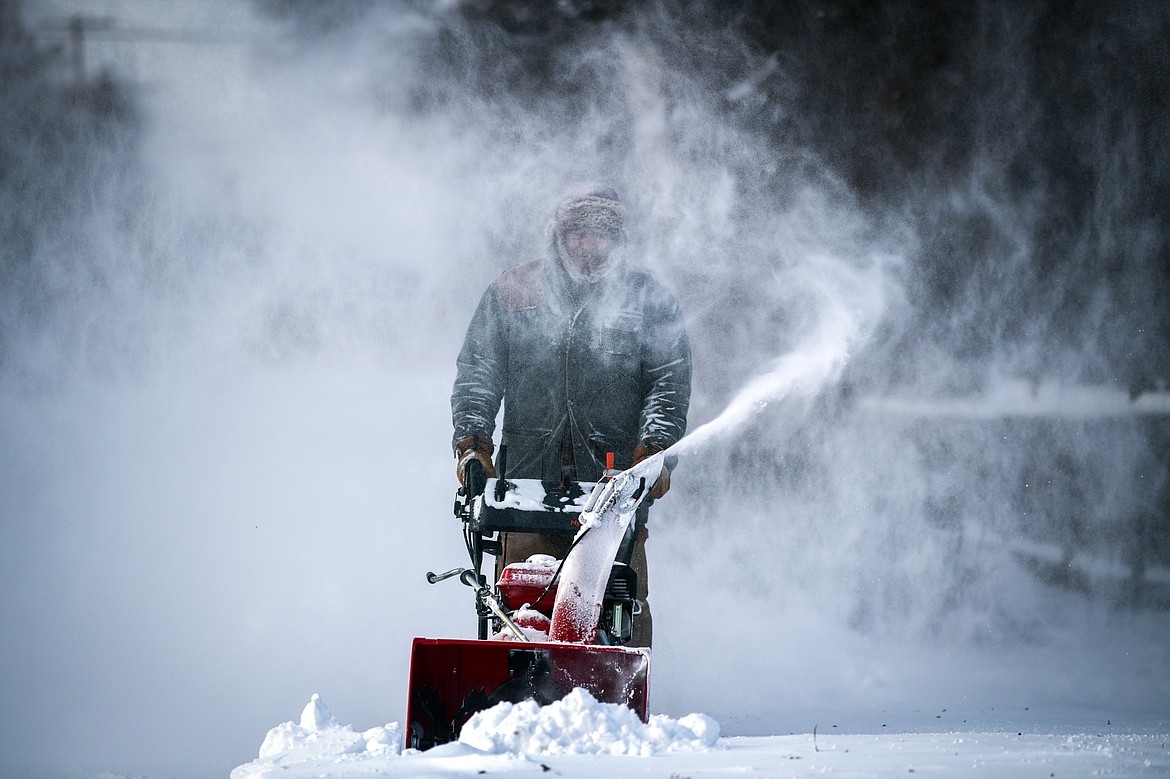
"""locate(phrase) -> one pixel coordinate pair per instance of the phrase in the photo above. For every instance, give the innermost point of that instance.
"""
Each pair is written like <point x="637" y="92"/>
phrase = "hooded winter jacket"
<point x="582" y="369"/>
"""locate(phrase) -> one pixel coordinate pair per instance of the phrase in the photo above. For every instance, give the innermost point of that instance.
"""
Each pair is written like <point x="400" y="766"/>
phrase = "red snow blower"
<point x="547" y="626"/>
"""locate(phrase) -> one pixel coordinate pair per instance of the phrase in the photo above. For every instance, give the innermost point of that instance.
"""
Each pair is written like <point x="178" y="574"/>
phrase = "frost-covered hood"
<point x="595" y="207"/>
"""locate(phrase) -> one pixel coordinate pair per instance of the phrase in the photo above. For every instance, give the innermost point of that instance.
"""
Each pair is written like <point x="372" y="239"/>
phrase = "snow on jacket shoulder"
<point x="607" y="364"/>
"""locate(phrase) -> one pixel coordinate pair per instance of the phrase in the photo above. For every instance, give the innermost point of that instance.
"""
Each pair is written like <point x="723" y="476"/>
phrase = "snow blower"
<point x="546" y="626"/>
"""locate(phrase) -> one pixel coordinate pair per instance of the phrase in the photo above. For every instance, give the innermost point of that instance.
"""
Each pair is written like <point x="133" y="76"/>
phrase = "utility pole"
<point x="77" y="26"/>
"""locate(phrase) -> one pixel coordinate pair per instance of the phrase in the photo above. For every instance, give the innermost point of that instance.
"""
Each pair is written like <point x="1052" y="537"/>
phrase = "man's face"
<point x="589" y="249"/>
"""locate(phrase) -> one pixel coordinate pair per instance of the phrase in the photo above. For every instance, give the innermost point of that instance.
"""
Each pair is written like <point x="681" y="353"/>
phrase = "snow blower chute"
<point x="546" y="626"/>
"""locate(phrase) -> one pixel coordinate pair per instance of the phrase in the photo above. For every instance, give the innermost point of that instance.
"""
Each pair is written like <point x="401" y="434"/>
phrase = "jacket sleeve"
<point x="666" y="373"/>
<point x="480" y="371"/>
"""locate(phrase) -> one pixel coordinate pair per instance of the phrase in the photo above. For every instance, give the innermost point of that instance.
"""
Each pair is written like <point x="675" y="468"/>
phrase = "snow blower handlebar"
<point x="474" y="478"/>
<point x="491" y="507"/>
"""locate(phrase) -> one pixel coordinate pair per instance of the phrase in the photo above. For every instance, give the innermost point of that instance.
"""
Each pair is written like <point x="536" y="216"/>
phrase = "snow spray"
<point x="846" y="302"/>
<point x="612" y="505"/>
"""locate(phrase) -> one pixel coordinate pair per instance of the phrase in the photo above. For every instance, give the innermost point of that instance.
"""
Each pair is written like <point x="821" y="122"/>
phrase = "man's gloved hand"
<point x="646" y="449"/>
<point x="474" y="447"/>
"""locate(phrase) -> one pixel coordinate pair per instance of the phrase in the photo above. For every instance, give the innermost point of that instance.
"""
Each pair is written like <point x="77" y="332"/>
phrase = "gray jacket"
<point x="590" y="368"/>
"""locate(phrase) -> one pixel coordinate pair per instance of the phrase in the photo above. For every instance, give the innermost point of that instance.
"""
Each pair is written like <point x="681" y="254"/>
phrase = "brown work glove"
<point x="646" y="449"/>
<point x="474" y="447"/>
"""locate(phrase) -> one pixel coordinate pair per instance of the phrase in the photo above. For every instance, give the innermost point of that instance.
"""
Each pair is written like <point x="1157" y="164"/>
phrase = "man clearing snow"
<point x="589" y="355"/>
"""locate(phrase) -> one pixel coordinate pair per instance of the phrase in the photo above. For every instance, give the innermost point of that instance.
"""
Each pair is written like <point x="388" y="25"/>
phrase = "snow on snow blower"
<point x="547" y="626"/>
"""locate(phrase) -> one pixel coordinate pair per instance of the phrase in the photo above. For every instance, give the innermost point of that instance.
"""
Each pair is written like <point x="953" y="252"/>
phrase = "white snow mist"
<point x="230" y="311"/>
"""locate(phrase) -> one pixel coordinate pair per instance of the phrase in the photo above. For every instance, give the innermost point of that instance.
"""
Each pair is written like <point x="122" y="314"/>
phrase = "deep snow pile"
<point x="319" y="736"/>
<point x="578" y="725"/>
<point x="575" y="725"/>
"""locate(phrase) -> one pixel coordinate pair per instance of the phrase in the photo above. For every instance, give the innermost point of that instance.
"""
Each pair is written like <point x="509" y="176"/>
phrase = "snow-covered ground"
<point x="579" y="737"/>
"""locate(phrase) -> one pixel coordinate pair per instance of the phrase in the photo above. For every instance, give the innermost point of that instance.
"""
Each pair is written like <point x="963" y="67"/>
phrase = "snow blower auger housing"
<point x="546" y="626"/>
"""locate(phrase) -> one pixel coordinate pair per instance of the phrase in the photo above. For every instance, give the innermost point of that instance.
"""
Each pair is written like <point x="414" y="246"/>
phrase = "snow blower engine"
<point x="547" y="626"/>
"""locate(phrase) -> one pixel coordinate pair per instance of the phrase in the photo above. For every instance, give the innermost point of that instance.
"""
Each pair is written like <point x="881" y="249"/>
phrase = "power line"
<point x="79" y="27"/>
